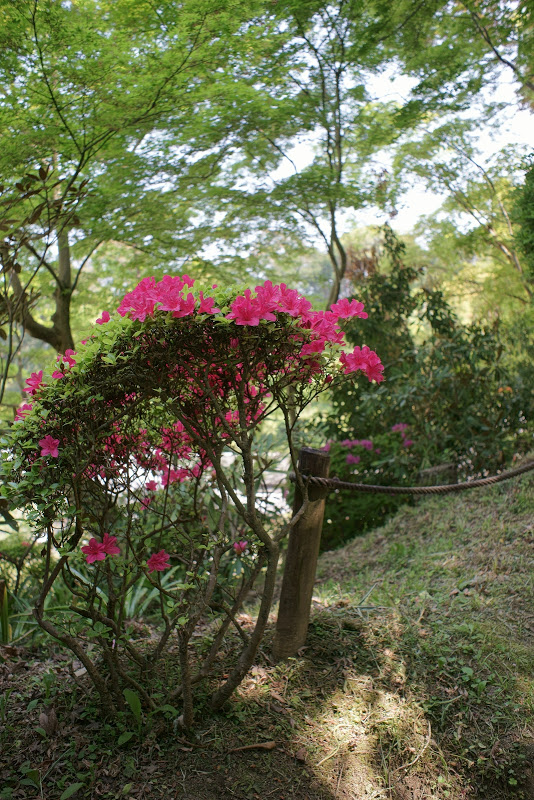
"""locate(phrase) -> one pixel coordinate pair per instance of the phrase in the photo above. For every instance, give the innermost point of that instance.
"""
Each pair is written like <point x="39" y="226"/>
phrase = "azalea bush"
<point x="136" y="458"/>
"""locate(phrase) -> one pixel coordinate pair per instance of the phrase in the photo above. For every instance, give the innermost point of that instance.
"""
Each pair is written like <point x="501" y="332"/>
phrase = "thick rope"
<point x="335" y="483"/>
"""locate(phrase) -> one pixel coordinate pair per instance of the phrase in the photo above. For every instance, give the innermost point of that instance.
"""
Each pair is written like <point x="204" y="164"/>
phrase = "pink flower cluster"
<point x="365" y="359"/>
<point x="250" y="309"/>
<point x="402" y="427"/>
<point x="367" y="443"/>
<point x="97" y="551"/>
<point x="166" y="295"/>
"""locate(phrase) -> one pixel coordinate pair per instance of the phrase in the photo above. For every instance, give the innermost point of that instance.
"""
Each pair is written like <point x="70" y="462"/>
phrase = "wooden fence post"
<point x="5" y="627"/>
<point x="301" y="560"/>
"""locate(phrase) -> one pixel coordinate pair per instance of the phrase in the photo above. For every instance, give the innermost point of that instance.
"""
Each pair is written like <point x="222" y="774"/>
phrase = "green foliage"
<point x="463" y="391"/>
<point x="523" y="216"/>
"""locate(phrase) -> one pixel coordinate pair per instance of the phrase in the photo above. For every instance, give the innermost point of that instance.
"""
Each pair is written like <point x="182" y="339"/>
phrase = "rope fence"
<point x="305" y="538"/>
<point x="335" y="483"/>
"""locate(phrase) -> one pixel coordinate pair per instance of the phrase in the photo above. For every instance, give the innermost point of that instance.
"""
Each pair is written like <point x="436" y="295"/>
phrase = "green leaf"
<point x="132" y="698"/>
<point x="168" y="708"/>
<point x="72" y="789"/>
<point x="125" y="736"/>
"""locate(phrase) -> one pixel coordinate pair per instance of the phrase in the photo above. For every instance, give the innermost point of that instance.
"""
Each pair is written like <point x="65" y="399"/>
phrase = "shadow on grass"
<point x="454" y="655"/>
<point x="432" y="697"/>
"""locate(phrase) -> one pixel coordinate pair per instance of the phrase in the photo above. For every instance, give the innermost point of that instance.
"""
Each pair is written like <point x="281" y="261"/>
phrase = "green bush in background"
<point x="465" y="393"/>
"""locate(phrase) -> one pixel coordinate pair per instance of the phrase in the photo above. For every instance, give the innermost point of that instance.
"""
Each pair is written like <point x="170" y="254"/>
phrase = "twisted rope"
<point x="335" y="483"/>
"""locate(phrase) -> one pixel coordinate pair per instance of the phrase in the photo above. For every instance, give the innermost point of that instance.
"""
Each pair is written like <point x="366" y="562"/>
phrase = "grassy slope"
<point x="431" y="696"/>
<point x="455" y="651"/>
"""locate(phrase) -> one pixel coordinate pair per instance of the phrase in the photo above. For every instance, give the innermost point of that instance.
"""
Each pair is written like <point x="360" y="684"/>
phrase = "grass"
<point x="431" y="695"/>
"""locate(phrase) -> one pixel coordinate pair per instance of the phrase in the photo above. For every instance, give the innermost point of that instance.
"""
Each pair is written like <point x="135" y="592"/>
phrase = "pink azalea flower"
<point x="174" y="476"/>
<point x="206" y="305"/>
<point x="352" y="459"/>
<point x="34" y="382"/>
<point x="374" y="368"/>
<point x="68" y="357"/>
<point x="407" y="442"/>
<point x="268" y="295"/>
<point x="186" y="307"/>
<point x="345" y="309"/>
<point x="365" y="359"/>
<point x="22" y="410"/>
<point x="109" y="544"/>
<point x="141" y="302"/>
<point x="49" y="446"/>
<point x="353" y="361"/>
<point x="400" y="427"/>
<point x="245" y="310"/>
<point x="94" y="551"/>
<point x="104" y="318"/>
<point x="292" y="303"/>
<point x="158" y="561"/>
<point x="151" y="486"/>
<point x="317" y="346"/>
<point x="57" y="374"/>
<point x="240" y="547"/>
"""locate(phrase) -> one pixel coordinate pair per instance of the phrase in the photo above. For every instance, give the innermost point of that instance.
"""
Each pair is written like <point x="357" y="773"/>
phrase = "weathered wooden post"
<point x="301" y="560"/>
<point x="5" y="627"/>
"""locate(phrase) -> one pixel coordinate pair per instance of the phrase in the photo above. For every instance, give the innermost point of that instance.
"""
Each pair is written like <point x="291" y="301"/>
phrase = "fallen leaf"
<point x="301" y="754"/>
<point x="9" y="650"/>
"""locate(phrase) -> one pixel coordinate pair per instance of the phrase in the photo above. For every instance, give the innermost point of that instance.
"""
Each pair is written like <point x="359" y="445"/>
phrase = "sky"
<point x="515" y="127"/>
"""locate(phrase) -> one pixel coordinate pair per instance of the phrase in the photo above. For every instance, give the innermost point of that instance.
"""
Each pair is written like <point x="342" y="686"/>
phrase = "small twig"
<point x="258" y="746"/>
<point x="418" y="756"/>
<point x="330" y="755"/>
<point x="338" y="781"/>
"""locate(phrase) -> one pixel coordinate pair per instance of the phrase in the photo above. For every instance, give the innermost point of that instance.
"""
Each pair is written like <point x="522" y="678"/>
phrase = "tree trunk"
<point x="61" y="316"/>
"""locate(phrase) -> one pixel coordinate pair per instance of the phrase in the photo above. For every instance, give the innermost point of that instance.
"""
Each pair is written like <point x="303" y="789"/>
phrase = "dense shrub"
<point x="463" y="392"/>
<point x="137" y="456"/>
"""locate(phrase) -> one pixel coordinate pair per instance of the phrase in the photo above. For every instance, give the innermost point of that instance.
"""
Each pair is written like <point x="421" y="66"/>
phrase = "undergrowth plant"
<point x="137" y="459"/>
